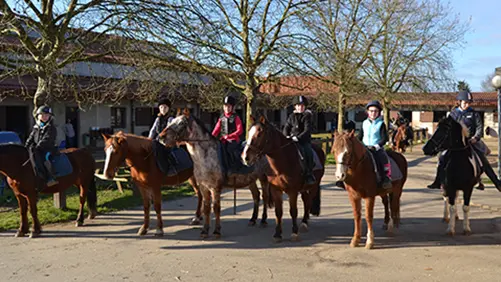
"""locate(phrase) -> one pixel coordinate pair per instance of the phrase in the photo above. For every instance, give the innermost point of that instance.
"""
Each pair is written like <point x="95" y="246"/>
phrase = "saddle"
<point x="171" y="161"/>
<point x="60" y="162"/>
<point x="317" y="165"/>
<point x="476" y="162"/>
<point x="396" y="174"/>
<point x="229" y="157"/>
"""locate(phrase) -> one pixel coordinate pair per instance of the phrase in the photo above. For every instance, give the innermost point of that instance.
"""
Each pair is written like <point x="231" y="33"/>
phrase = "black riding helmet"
<point x="298" y="100"/>
<point x="464" y="95"/>
<point x="44" y="110"/>
<point x="229" y="100"/>
<point x="164" y="101"/>
<point x="374" y="103"/>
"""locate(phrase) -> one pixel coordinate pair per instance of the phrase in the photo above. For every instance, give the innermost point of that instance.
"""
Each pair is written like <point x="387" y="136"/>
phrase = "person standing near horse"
<point x="374" y="136"/>
<point x="228" y="129"/>
<point x="466" y="115"/>
<point x="298" y="128"/>
<point x="41" y="144"/>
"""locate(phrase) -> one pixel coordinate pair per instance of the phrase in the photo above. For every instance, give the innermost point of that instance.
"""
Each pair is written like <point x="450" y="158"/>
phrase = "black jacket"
<point x="299" y="125"/>
<point x="43" y="138"/>
<point x="471" y="119"/>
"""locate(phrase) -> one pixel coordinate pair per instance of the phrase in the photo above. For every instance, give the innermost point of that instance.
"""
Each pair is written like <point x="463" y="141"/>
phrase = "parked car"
<point x="7" y="137"/>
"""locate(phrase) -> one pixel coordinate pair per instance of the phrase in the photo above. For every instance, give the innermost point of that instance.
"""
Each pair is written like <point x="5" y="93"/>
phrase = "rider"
<point x="374" y="136"/>
<point x="472" y="120"/>
<point x="298" y="127"/>
<point x="229" y="128"/>
<point x="42" y="143"/>
<point x="161" y="122"/>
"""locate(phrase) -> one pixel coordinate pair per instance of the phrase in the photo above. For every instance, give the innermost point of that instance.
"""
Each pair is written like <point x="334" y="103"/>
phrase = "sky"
<point x="482" y="51"/>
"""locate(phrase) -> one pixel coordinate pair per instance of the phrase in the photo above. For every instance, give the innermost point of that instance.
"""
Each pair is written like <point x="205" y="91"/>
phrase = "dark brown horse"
<point x="208" y="170"/>
<point x="285" y="175"/>
<point x="137" y="153"/>
<point x="355" y="167"/>
<point x="400" y="141"/>
<point x="20" y="175"/>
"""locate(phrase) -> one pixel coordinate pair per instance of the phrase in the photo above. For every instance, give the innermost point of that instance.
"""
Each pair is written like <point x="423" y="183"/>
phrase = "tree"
<point x="337" y="39"/>
<point x="234" y="40"/>
<point x="414" y="51"/>
<point x="463" y="85"/>
<point x="486" y="84"/>
<point x="49" y="36"/>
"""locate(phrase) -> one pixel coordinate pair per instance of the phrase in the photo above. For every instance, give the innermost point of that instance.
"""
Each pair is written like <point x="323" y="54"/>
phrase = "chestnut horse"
<point x="286" y="175"/>
<point x="15" y="165"/>
<point x="208" y="171"/>
<point x="400" y="140"/>
<point x="355" y="168"/>
<point x="137" y="153"/>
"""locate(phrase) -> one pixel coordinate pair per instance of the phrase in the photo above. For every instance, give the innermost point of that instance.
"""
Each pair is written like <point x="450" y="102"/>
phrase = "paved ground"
<point x="107" y="248"/>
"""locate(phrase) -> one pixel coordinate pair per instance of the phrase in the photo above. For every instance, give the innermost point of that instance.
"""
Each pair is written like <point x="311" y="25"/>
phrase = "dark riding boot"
<point x="437" y="182"/>
<point x="489" y="171"/>
<point x="51" y="179"/>
<point x="308" y="155"/>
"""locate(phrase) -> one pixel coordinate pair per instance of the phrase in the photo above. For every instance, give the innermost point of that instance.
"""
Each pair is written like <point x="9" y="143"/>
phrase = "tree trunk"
<point x="42" y="95"/>
<point x="340" y="110"/>
<point x="386" y="114"/>
<point x="249" y="93"/>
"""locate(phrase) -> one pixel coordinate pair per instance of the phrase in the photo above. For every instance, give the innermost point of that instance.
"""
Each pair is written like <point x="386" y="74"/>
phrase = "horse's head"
<point x="449" y="134"/>
<point x="345" y="153"/>
<point x="177" y="131"/>
<point x="257" y="143"/>
<point x="115" y="147"/>
<point x="403" y="131"/>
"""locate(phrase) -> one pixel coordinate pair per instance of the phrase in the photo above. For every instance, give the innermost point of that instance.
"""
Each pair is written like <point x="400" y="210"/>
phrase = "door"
<point x="73" y="114"/>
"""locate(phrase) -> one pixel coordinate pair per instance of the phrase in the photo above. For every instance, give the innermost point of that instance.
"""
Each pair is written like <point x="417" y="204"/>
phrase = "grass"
<point x="329" y="159"/>
<point x="108" y="200"/>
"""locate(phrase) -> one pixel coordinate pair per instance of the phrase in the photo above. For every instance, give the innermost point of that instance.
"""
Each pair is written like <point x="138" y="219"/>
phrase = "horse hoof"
<point x="78" y="223"/>
<point x="450" y="233"/>
<point x="354" y="243"/>
<point x="204" y="235"/>
<point x="34" y="234"/>
<point x="159" y="232"/>
<point x="217" y="235"/>
<point x="369" y="246"/>
<point x="277" y="239"/>
<point x="446" y="220"/>
<point x="384" y="227"/>
<point x="251" y="223"/>
<point x="467" y="232"/>
<point x="263" y="224"/>
<point x="195" y="221"/>
<point x="19" y="234"/>
<point x="142" y="231"/>
<point x="295" y="237"/>
<point x="303" y="227"/>
<point x="92" y="215"/>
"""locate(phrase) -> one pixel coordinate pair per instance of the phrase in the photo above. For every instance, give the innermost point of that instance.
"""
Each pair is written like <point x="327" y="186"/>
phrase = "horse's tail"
<point x="271" y="202"/>
<point x="92" y="195"/>
<point x="315" y="203"/>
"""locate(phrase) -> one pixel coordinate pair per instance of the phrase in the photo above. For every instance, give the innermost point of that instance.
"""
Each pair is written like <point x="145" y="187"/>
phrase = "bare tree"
<point x="414" y="51"/>
<point x="486" y="84"/>
<point x="44" y="39"/>
<point x="234" y="40"/>
<point x="338" y="37"/>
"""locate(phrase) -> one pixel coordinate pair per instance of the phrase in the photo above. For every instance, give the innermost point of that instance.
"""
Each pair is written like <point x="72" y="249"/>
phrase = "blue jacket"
<point x="374" y="132"/>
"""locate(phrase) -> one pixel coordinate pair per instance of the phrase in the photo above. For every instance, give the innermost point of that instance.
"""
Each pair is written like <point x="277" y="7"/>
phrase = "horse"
<point x="15" y="165"/>
<point x="137" y="153"/>
<point x="355" y="167"/>
<point x="400" y="139"/>
<point x="461" y="170"/>
<point x="208" y="170"/>
<point x="286" y="174"/>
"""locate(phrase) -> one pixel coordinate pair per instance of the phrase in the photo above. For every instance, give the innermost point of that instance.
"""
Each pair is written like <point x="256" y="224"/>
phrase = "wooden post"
<point x="60" y="200"/>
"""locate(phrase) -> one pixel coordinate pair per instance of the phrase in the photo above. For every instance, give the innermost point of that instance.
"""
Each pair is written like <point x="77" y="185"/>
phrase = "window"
<point x="117" y="117"/>
<point x="438" y="115"/>
<point x="145" y="116"/>
<point x="360" y="116"/>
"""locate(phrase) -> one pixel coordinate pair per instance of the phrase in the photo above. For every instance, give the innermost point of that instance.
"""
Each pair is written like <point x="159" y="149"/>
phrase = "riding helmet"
<point x="164" y="101"/>
<point x="464" y="95"/>
<point x="229" y="100"/>
<point x="45" y="110"/>
<point x="374" y="103"/>
<point x="298" y="100"/>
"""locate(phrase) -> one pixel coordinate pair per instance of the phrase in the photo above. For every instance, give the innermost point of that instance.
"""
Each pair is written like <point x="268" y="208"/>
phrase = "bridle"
<point x="261" y="151"/>
<point x="351" y="164"/>
<point x="179" y="133"/>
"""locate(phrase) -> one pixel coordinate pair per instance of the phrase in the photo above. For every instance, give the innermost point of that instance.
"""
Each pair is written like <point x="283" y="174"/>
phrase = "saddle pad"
<point x="316" y="161"/>
<point x="396" y="174"/>
<point x="62" y="165"/>
<point x="182" y="161"/>
<point x="476" y="163"/>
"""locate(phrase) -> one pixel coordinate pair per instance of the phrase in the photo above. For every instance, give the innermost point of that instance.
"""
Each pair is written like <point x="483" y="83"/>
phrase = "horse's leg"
<point x="446" y="210"/>
<point x="277" y="198"/>
<point x="306" y="197"/>
<point x="206" y="203"/>
<point x="466" y="211"/>
<point x="265" y="190"/>
<point x="385" y="201"/>
<point x="146" y="210"/>
<point x="24" y="228"/>
<point x="37" y="228"/>
<point x="217" y="211"/>
<point x="356" y="204"/>
<point x="157" y="204"/>
<point x="198" y="214"/>
<point x="369" y="216"/>
<point x="255" y="197"/>
<point x="451" y="229"/>
<point x="80" y="217"/>
<point x="293" y="213"/>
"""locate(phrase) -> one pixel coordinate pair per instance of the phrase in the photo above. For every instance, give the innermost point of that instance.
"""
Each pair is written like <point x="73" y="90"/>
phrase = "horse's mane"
<point x="202" y="127"/>
<point x="464" y="129"/>
<point x="136" y="141"/>
<point x="12" y="148"/>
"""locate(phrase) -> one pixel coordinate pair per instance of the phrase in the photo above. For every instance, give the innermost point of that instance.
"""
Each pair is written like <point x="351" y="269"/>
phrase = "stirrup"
<point x="52" y="182"/>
